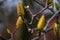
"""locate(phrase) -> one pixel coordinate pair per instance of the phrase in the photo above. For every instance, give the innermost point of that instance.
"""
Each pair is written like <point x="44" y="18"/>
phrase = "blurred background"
<point x="9" y="16"/>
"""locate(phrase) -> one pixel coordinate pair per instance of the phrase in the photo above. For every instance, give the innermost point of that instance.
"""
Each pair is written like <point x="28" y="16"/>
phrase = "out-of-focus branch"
<point x="38" y="13"/>
<point x="31" y="15"/>
<point x="47" y="30"/>
<point x="51" y="19"/>
<point x="46" y="3"/>
<point x="25" y="22"/>
<point x="12" y="37"/>
<point x="32" y="19"/>
<point x="3" y="38"/>
<point x="39" y="3"/>
<point x="28" y="9"/>
<point x="44" y="36"/>
<point x="35" y="38"/>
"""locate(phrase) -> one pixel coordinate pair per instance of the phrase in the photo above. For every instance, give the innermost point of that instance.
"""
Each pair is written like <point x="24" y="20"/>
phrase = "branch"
<point x="44" y="36"/>
<point x="47" y="30"/>
<point x="32" y="19"/>
<point x="35" y="38"/>
<point x="12" y="36"/>
<point x="38" y="13"/>
<point x="51" y="19"/>
<point x="46" y="6"/>
<point x="25" y="22"/>
<point x="28" y="9"/>
<point x="46" y="3"/>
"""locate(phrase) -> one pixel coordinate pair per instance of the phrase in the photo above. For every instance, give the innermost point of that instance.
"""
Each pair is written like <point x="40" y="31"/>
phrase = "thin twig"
<point x="29" y="11"/>
<point x="49" y="29"/>
<point x="46" y="3"/>
<point x="51" y="19"/>
<point x="36" y="14"/>
<point x="35" y="38"/>
<point x="34" y="29"/>
<point x="44" y="36"/>
<point x="39" y="12"/>
<point x="31" y="15"/>
<point x="12" y="36"/>
<point x="24" y="21"/>
<point x="32" y="19"/>
<point x="43" y="4"/>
